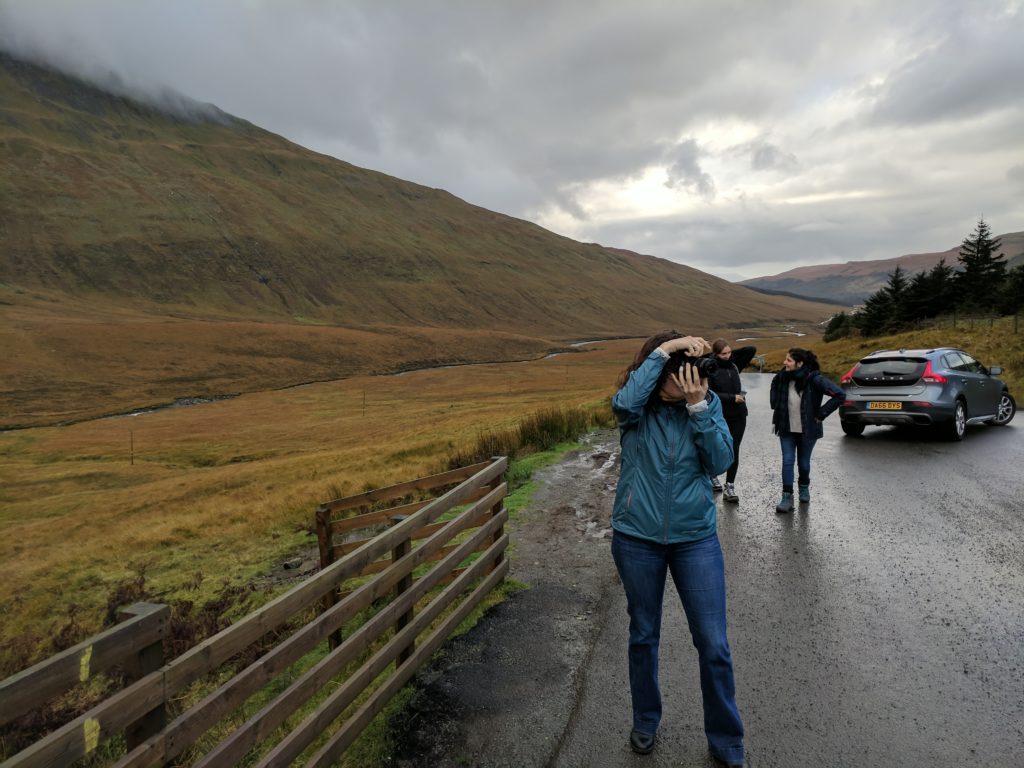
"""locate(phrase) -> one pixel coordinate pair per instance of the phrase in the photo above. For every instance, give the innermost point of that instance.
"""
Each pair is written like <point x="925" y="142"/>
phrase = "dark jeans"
<point x="796" y="448"/>
<point x="698" y="570"/>
<point x="736" y="428"/>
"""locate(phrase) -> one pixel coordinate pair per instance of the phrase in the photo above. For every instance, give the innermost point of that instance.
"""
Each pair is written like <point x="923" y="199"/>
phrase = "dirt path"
<point x="507" y="693"/>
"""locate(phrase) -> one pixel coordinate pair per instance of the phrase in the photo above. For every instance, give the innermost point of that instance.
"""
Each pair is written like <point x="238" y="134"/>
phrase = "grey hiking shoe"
<point x="805" y="494"/>
<point x="716" y="486"/>
<point x="786" y="505"/>
<point x="729" y="494"/>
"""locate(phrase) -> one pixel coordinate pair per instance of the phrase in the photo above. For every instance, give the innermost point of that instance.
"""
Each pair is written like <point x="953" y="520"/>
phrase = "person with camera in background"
<point x="797" y="413"/>
<point x="725" y="382"/>
<point x="674" y="439"/>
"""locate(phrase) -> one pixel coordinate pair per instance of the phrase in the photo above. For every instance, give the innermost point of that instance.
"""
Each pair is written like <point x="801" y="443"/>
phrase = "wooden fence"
<point x="414" y="571"/>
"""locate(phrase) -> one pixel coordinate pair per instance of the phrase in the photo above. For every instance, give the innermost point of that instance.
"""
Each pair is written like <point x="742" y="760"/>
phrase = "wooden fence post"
<point x="401" y="549"/>
<point x="325" y="539"/>
<point x="495" y="511"/>
<point x="148" y="659"/>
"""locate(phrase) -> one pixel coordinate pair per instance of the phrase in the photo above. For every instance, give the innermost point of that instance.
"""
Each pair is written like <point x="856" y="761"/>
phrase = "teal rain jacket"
<point x="668" y="455"/>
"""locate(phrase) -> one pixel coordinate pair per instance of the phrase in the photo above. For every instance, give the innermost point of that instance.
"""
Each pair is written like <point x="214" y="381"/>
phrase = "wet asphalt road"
<point x="882" y="624"/>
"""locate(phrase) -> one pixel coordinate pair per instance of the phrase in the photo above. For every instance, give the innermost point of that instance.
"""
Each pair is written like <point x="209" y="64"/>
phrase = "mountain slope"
<point x="104" y="196"/>
<point x="854" y="281"/>
<point x="149" y="254"/>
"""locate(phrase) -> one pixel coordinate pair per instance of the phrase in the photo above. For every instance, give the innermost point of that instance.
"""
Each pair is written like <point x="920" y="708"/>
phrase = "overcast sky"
<point x="741" y="138"/>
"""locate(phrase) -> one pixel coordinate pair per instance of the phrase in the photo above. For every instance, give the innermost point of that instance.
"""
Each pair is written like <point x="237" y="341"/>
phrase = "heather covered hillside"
<point x="151" y="253"/>
<point x="103" y="196"/>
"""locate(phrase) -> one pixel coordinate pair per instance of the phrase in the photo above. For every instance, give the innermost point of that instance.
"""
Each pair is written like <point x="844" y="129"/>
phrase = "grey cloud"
<point x="685" y="171"/>
<point x="521" y="107"/>
<point x="768" y="157"/>
<point x="973" y="68"/>
<point x="763" y="240"/>
<point x="1016" y="174"/>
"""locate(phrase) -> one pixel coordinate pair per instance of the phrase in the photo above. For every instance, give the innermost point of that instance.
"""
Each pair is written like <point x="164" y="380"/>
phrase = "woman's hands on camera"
<point x="694" y="346"/>
<point x="686" y="384"/>
<point x="689" y="384"/>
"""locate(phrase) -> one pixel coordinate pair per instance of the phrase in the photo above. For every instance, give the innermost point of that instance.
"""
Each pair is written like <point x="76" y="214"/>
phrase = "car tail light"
<point x="931" y="377"/>
<point x="848" y="378"/>
<point x="849" y="402"/>
<point x="923" y="403"/>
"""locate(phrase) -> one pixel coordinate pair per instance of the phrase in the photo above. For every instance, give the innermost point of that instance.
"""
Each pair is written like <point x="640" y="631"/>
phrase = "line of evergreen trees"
<point x="982" y="284"/>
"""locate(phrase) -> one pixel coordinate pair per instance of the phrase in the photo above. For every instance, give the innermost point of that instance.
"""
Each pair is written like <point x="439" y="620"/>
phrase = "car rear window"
<point x="892" y="370"/>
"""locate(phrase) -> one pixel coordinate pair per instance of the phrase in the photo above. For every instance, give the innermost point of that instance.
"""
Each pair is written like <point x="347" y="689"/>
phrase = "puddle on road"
<point x="583" y="485"/>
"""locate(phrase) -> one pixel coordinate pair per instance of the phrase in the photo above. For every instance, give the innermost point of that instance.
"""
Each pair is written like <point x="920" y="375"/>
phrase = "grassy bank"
<point x="994" y="342"/>
<point x="201" y="501"/>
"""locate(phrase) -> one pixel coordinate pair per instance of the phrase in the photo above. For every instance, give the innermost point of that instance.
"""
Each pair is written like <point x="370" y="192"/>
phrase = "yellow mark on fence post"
<point x="83" y="664"/>
<point x="91" y="734"/>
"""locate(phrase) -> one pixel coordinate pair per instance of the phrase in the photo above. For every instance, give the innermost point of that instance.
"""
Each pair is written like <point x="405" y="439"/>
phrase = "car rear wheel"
<point x="957" y="427"/>
<point x="852" y="428"/>
<point x="1007" y="408"/>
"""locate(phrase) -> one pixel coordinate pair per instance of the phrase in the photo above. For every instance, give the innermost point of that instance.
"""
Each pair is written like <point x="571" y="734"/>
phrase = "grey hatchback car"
<point x="942" y="387"/>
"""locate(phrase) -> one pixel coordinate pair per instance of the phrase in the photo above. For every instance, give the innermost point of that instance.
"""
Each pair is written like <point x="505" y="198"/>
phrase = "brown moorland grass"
<point x="71" y="361"/>
<point x="201" y="499"/>
<point x="223" y="489"/>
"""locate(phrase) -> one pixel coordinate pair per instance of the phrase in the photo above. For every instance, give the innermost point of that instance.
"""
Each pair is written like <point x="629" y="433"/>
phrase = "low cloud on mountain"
<point x="794" y="133"/>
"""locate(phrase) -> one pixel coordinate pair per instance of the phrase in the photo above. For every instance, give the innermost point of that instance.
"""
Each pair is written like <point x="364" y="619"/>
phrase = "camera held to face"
<point x="706" y="365"/>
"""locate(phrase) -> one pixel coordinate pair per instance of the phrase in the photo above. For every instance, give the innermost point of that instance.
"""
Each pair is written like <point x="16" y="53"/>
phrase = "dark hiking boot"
<point x="641" y="743"/>
<point x="805" y="494"/>
<point x="786" y="505"/>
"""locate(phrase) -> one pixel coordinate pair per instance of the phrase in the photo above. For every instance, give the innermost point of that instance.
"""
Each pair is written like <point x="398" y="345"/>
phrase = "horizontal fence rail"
<point x="144" y="627"/>
<point x="431" y="566"/>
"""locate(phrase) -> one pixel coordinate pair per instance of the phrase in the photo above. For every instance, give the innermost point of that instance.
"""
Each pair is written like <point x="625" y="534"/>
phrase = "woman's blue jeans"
<point x="796" y="448"/>
<point x="698" y="570"/>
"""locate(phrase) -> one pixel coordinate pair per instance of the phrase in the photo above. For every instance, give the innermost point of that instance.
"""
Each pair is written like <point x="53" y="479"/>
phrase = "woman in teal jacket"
<point x="674" y="439"/>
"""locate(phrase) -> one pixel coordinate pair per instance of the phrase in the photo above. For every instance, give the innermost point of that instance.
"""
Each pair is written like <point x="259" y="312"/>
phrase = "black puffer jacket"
<point x="725" y="383"/>
<point x="812" y="411"/>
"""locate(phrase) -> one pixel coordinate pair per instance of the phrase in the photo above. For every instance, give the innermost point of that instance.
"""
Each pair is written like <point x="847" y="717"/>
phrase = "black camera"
<point x="706" y="366"/>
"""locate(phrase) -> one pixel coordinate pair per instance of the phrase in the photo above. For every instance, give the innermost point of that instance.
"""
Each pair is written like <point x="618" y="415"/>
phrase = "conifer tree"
<point x="838" y="327"/>
<point x="942" y="285"/>
<point x="896" y="289"/>
<point x="918" y="297"/>
<point x="873" y="318"/>
<point x="980" y="282"/>
<point x="1013" y="295"/>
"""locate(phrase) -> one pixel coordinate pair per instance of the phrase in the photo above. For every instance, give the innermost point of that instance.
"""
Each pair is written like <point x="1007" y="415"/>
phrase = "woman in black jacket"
<point x="725" y="383"/>
<point x="796" y="395"/>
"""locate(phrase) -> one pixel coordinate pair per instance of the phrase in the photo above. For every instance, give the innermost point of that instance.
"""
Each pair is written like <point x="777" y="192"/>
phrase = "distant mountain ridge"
<point x="854" y="281"/>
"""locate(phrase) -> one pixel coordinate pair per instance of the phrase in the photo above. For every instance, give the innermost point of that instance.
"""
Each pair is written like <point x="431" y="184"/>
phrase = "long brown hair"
<point x="649" y="346"/>
<point x="718" y="345"/>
